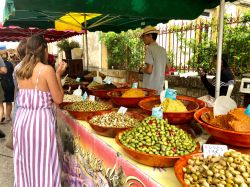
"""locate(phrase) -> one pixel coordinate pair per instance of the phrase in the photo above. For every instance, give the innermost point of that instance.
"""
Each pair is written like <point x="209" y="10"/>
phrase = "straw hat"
<point x="149" y="29"/>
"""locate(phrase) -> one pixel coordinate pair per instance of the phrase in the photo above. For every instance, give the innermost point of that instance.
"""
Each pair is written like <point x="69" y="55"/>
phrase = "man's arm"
<point x="148" y="69"/>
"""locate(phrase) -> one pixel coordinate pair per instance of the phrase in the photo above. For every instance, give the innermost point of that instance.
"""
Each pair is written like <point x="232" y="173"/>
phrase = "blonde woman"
<point x="36" y="162"/>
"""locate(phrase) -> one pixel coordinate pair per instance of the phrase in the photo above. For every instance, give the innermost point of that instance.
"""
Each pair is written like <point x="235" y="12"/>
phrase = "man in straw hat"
<point x="156" y="62"/>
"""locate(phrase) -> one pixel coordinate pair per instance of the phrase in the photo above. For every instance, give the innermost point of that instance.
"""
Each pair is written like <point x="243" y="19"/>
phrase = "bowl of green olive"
<point x="156" y="143"/>
<point x="109" y="123"/>
<point x="83" y="110"/>
<point x="231" y="169"/>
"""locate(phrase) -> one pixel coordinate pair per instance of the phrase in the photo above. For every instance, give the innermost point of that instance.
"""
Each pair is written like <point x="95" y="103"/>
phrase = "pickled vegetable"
<point x="72" y="98"/>
<point x="92" y="85"/>
<point x="70" y="81"/>
<point x="114" y="119"/>
<point x="156" y="136"/>
<point x="231" y="169"/>
<point x="88" y="106"/>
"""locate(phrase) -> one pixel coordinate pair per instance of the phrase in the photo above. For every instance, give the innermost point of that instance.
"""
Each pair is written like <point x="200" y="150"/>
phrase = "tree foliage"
<point x="236" y="44"/>
<point x="125" y="50"/>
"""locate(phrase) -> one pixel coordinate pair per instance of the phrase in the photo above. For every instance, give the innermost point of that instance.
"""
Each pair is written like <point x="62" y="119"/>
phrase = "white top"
<point x="157" y="56"/>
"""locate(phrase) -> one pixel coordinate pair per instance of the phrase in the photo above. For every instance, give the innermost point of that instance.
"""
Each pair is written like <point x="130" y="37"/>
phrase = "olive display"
<point x="156" y="136"/>
<point x="88" y="106"/>
<point x="230" y="170"/>
<point x="70" y="81"/>
<point x="114" y="119"/>
<point x="93" y="84"/>
<point x="71" y="98"/>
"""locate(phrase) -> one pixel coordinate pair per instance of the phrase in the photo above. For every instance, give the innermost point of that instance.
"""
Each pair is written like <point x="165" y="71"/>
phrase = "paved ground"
<point x="6" y="159"/>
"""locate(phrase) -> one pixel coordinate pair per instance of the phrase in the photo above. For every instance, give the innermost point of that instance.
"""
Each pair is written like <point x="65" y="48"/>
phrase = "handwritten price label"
<point x="91" y="97"/>
<point x="108" y="80"/>
<point x="214" y="150"/>
<point x="78" y="79"/>
<point x="85" y="96"/>
<point x="122" y="110"/>
<point x="135" y="85"/>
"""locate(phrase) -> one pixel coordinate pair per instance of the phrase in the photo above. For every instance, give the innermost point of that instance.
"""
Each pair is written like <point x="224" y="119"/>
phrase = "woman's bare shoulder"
<point x="46" y="68"/>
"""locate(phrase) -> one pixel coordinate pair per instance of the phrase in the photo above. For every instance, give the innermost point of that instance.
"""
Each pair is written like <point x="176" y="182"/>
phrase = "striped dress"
<point x="36" y="162"/>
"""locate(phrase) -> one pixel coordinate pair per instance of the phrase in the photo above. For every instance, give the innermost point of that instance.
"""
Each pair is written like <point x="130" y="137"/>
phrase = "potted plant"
<point x="66" y="46"/>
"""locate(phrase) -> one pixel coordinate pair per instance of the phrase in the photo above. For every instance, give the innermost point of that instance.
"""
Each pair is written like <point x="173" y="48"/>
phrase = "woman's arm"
<point x="54" y="82"/>
<point x="3" y="70"/>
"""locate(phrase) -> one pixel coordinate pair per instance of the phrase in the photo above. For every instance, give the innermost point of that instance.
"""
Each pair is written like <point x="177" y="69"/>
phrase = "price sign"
<point x="157" y="112"/>
<point x="170" y="93"/>
<point x="135" y="85"/>
<point x="214" y="150"/>
<point x="122" y="110"/>
<point x="247" y="111"/>
<point x="91" y="97"/>
<point x="78" y="79"/>
<point x="69" y="89"/>
<point x="85" y="96"/>
<point x="108" y="80"/>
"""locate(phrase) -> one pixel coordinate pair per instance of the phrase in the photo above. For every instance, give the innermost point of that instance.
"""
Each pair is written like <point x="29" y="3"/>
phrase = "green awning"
<point x="105" y="23"/>
<point x="117" y="15"/>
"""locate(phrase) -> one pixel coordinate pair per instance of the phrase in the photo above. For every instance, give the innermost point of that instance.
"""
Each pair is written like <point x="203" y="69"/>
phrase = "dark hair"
<point x="154" y="36"/>
<point x="35" y="52"/>
<point x="21" y="48"/>
<point x="224" y="60"/>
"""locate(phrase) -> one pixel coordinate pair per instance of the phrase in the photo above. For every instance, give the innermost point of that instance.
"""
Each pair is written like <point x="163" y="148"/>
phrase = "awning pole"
<point x="219" y="48"/>
<point x="86" y="43"/>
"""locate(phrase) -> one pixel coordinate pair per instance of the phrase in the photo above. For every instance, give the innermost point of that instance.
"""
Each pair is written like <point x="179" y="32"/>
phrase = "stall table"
<point x="98" y="160"/>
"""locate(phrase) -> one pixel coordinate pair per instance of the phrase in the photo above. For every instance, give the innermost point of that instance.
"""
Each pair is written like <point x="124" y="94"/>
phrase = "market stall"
<point x="92" y="159"/>
<point x="95" y="156"/>
<point x="112" y="168"/>
<point x="93" y="143"/>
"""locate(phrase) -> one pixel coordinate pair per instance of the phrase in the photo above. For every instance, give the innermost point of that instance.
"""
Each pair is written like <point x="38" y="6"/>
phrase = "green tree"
<point x="125" y="50"/>
<point x="236" y="44"/>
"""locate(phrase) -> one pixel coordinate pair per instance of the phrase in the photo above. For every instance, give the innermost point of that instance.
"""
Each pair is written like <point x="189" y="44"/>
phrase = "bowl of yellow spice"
<point x="130" y="97"/>
<point x="177" y="111"/>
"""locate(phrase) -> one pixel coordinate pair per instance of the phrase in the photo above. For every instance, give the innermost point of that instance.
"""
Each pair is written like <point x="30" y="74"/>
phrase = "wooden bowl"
<point x="202" y="104"/>
<point x="116" y="98"/>
<point x="64" y="104"/>
<point x="240" y="139"/>
<point x="80" y="115"/>
<point x="111" y="131"/>
<point x="102" y="90"/>
<point x="180" y="164"/>
<point x="173" y="117"/>
<point x="151" y="159"/>
<point x="102" y="94"/>
<point x="88" y="79"/>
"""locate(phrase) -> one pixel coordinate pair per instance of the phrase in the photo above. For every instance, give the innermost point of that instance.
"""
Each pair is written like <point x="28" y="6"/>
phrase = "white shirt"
<point x="156" y="56"/>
